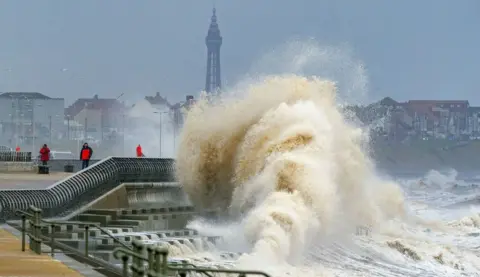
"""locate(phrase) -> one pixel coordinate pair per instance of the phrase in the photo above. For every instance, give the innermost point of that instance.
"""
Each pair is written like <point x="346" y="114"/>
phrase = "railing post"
<point x="137" y="264"/>
<point x="24" y="219"/>
<point x="52" y="239"/>
<point x="125" y="265"/>
<point x="158" y="261"/>
<point x="164" y="266"/>
<point x="31" y="241"/>
<point x="150" y="259"/>
<point x="37" y="230"/>
<point x="140" y="263"/>
<point x="86" y="240"/>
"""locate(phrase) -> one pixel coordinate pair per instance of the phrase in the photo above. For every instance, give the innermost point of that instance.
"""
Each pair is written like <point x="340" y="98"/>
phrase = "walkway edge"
<point x="82" y="269"/>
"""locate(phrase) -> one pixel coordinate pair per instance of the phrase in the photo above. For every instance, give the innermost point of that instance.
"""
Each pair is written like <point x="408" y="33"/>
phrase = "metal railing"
<point x="156" y="259"/>
<point x="34" y="219"/>
<point x="157" y="264"/>
<point x="15" y="156"/>
<point x="66" y="196"/>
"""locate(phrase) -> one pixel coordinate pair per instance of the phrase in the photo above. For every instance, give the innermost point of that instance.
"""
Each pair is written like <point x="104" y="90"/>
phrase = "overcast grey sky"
<point x="65" y="48"/>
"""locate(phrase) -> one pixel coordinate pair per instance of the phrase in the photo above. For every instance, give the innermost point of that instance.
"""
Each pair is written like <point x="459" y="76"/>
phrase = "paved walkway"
<point x="30" y="180"/>
<point x="14" y="262"/>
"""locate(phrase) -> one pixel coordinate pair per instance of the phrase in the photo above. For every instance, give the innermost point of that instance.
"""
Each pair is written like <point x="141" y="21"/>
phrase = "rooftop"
<point x="158" y="100"/>
<point x="27" y="95"/>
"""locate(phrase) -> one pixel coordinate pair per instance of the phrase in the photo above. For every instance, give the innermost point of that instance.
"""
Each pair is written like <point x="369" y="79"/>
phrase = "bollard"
<point x="86" y="240"/>
<point x="52" y="240"/>
<point x="24" y="218"/>
<point x="125" y="265"/>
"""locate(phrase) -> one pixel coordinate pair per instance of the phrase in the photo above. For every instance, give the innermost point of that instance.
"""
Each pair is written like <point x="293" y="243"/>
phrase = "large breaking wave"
<point x="283" y="159"/>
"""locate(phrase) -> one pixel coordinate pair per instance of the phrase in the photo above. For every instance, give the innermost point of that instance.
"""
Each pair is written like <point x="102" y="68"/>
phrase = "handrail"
<point x="90" y="224"/>
<point x="36" y="238"/>
<point x="36" y="221"/>
<point x="20" y="212"/>
<point x="158" y="265"/>
<point x="116" y="253"/>
<point x="99" y="264"/>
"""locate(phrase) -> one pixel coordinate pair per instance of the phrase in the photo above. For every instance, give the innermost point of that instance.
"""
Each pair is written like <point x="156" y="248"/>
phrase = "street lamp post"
<point x="33" y="125"/>
<point x="50" y="129"/>
<point x="123" y="133"/>
<point x="161" y="123"/>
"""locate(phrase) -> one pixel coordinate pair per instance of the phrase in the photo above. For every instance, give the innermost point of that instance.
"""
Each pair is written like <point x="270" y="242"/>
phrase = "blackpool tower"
<point x="213" y="42"/>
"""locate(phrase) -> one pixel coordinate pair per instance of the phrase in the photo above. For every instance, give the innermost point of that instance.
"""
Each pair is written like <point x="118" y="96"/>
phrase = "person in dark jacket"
<point x="44" y="154"/>
<point x="85" y="155"/>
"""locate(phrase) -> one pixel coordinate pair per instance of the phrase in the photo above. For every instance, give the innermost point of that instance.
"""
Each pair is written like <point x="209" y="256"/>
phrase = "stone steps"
<point x="160" y="227"/>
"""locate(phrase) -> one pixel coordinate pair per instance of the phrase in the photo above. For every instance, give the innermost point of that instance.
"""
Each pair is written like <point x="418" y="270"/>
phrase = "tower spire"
<point x="213" y="42"/>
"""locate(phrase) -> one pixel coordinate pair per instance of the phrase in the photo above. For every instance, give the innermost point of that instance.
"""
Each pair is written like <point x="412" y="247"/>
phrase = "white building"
<point x="98" y="116"/>
<point x="29" y="116"/>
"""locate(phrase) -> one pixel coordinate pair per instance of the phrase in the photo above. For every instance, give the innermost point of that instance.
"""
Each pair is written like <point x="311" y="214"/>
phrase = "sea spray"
<point x="283" y="159"/>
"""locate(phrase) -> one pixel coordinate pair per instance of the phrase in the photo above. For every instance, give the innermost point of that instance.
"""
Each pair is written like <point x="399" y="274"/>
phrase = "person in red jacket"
<point x="85" y="154"/>
<point x="139" y="152"/>
<point x="44" y="154"/>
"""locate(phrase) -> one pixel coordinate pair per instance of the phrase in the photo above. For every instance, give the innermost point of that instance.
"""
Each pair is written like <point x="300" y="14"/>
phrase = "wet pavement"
<point x="30" y="180"/>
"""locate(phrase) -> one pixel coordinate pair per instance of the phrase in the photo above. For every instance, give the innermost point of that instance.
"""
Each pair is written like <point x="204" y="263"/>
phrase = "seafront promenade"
<point x="14" y="262"/>
<point x="27" y="180"/>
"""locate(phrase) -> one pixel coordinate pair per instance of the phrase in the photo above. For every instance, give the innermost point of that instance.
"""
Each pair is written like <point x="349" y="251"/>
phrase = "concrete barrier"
<point x="58" y="165"/>
<point x="12" y="167"/>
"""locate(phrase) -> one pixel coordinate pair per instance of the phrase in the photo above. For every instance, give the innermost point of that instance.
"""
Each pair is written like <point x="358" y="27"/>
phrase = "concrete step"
<point x="78" y="233"/>
<point x="114" y="212"/>
<point x="159" y="222"/>
<point x="108" y="244"/>
<point x="100" y="219"/>
<point x="125" y="223"/>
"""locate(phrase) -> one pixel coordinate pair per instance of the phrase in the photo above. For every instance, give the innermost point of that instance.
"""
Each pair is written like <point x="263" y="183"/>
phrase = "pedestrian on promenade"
<point x="85" y="155"/>
<point x="139" y="152"/>
<point x="44" y="154"/>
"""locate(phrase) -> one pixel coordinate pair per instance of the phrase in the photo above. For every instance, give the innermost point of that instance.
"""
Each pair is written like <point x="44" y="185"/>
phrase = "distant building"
<point x="158" y="102"/>
<point x="180" y="109"/>
<point x="421" y="119"/>
<point x="29" y="116"/>
<point x="148" y="112"/>
<point x="473" y="124"/>
<point x="447" y="117"/>
<point x="99" y="116"/>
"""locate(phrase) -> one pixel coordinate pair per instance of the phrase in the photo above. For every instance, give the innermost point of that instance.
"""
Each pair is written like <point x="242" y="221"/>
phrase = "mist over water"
<point x="144" y="129"/>
<point x="291" y="173"/>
